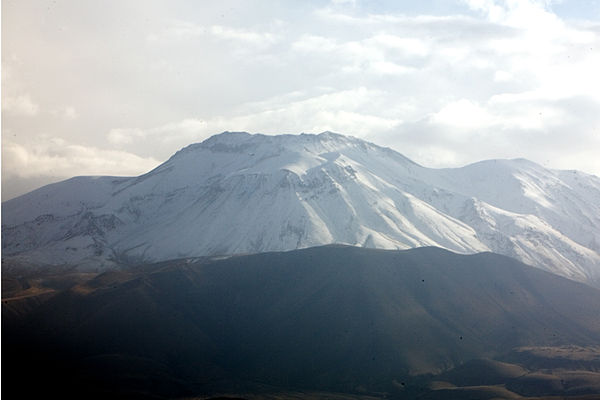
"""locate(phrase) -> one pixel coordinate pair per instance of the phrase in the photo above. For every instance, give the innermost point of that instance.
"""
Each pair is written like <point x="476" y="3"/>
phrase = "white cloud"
<point x="369" y="55"/>
<point x="350" y="111"/>
<point x="354" y="111"/>
<point x="123" y="136"/>
<point x="409" y="45"/>
<point x="508" y="78"/>
<point x="389" y="68"/>
<point x="344" y="2"/>
<point x="20" y="105"/>
<point x="502" y="76"/>
<point x="438" y="156"/>
<point x="464" y="114"/>
<point x="495" y="82"/>
<point x="57" y="158"/>
<point x="313" y="43"/>
<point x="257" y="38"/>
<point x="583" y="160"/>
<point x="558" y="57"/>
<point x="183" y="30"/>
<point x="70" y="112"/>
<point x="493" y="11"/>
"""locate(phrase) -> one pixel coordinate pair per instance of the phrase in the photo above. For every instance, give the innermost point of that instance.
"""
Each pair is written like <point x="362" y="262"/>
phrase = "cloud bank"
<point x="124" y="85"/>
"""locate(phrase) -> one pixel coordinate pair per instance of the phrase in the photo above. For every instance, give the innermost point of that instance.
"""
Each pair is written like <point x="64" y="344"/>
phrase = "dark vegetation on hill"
<point x="327" y="321"/>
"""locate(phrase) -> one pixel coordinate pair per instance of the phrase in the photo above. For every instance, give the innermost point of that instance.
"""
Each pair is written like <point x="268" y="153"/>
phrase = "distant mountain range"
<point x="239" y="193"/>
<point x="335" y="318"/>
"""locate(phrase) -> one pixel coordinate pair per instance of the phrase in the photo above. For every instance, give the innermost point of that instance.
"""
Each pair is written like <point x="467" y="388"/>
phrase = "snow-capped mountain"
<point x="241" y="193"/>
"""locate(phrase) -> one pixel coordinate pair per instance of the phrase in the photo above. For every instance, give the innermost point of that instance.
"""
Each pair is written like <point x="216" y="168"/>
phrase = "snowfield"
<point x="241" y="193"/>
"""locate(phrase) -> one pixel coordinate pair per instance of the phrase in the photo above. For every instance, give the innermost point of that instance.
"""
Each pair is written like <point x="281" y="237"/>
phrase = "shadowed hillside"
<point x="332" y="318"/>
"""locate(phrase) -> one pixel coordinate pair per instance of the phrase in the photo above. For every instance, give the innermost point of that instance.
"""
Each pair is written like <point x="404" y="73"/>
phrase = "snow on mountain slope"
<point x="240" y="193"/>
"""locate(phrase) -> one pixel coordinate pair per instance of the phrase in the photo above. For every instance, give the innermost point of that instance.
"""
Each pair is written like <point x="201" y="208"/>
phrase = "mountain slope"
<point x="325" y="318"/>
<point x="240" y="193"/>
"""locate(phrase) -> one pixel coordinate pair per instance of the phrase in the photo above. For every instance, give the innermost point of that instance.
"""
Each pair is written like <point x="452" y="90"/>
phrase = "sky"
<point x="116" y="87"/>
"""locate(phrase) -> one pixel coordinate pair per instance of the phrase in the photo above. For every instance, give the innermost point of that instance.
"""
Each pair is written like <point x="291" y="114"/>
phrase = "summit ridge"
<point x="239" y="193"/>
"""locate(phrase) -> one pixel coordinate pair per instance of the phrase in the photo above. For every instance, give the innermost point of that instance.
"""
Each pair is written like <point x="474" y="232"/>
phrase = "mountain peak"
<point x="261" y="146"/>
<point x="333" y="135"/>
<point x="239" y="137"/>
<point x="237" y="192"/>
